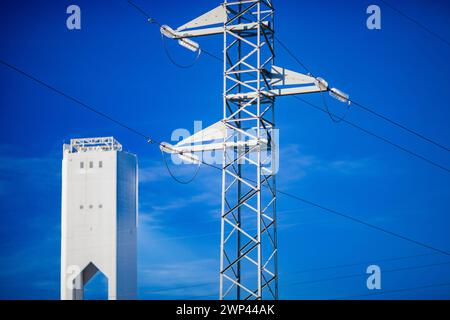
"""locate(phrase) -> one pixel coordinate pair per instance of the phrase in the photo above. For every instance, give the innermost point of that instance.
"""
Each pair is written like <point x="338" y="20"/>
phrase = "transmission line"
<point x="367" y="109"/>
<point x="77" y="101"/>
<point x="430" y="286"/>
<point x="349" y="276"/>
<point x="357" y="220"/>
<point x="339" y="266"/>
<point x="342" y="119"/>
<point x="160" y="25"/>
<point x="153" y="141"/>
<point x="396" y="145"/>
<point x="416" y="22"/>
<point x="379" y="115"/>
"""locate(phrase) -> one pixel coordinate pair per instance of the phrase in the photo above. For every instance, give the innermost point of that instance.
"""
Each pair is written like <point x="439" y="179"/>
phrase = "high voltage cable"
<point x="367" y="224"/>
<point x="430" y="286"/>
<point x="94" y="110"/>
<point x="366" y="108"/>
<point x="437" y="36"/>
<point x="399" y="125"/>
<point x="293" y="56"/>
<point x="339" y="266"/>
<point x="174" y="288"/>
<point x="349" y="276"/>
<point x="290" y="284"/>
<point x="150" y="140"/>
<point x="342" y="119"/>
<point x="197" y="285"/>
<point x="396" y="145"/>
<point x="67" y="96"/>
<point x="156" y="22"/>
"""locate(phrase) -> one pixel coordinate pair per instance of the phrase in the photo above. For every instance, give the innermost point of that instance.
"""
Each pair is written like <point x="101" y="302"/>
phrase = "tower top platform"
<point x="92" y="144"/>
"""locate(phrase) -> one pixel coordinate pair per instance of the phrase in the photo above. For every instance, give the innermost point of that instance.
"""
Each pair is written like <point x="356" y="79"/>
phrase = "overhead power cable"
<point x="77" y="101"/>
<point x="348" y="265"/>
<point x="153" y="141"/>
<point x="396" y="145"/>
<point x="293" y="56"/>
<point x="430" y="286"/>
<point x="97" y="112"/>
<point x="379" y="115"/>
<point x="416" y="22"/>
<point x="366" y="108"/>
<point x="150" y="140"/>
<point x="349" y="276"/>
<point x="367" y="224"/>
<point x="160" y="25"/>
<point x="337" y="118"/>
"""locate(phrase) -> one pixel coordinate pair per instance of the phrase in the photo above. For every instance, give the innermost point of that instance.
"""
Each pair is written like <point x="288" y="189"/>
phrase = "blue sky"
<point x="116" y="63"/>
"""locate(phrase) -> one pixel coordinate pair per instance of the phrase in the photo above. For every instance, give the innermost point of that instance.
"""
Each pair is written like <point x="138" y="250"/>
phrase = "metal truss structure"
<point x="248" y="140"/>
<point x="90" y="144"/>
<point x="248" y="250"/>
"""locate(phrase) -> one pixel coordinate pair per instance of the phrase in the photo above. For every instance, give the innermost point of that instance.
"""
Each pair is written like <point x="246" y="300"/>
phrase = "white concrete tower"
<point x="98" y="217"/>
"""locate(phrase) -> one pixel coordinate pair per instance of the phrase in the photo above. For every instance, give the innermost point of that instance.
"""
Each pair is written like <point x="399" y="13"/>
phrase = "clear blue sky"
<point x="116" y="63"/>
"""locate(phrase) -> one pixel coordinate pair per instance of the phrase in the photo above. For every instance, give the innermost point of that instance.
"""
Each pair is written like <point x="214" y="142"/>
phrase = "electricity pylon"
<point x="248" y="137"/>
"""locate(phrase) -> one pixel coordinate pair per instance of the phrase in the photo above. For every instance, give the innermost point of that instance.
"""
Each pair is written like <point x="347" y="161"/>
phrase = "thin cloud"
<point x="295" y="165"/>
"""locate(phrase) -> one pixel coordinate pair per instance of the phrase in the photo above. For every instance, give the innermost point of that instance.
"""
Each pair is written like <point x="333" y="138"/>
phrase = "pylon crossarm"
<point x="215" y="20"/>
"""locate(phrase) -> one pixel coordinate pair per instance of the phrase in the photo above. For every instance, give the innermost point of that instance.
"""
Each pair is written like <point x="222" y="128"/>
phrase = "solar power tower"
<point x="248" y="137"/>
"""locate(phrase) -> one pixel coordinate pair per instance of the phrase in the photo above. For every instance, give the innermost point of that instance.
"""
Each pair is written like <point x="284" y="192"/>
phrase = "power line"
<point x="365" y="108"/>
<point x="357" y="220"/>
<point x="416" y="22"/>
<point x="190" y="286"/>
<point x="421" y="136"/>
<point x="145" y="14"/>
<point x="293" y="56"/>
<point x="77" y="101"/>
<point x="339" y="266"/>
<point x="280" y="191"/>
<point x="438" y="285"/>
<point x="104" y="115"/>
<point x="94" y="110"/>
<point x="150" y="140"/>
<point x="399" y="125"/>
<point x="365" y="274"/>
<point x="396" y="145"/>
<point x="175" y="288"/>
<point x="290" y="284"/>
<point x="156" y="22"/>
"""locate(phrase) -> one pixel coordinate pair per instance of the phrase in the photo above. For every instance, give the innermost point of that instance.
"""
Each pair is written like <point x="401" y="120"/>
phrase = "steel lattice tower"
<point x="248" y="138"/>
<point x="248" y="250"/>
